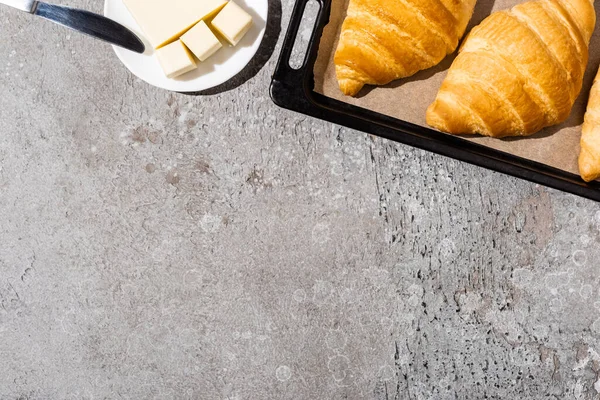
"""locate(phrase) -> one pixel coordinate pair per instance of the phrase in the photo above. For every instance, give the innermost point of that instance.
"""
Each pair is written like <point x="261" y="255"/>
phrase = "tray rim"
<point x="293" y="89"/>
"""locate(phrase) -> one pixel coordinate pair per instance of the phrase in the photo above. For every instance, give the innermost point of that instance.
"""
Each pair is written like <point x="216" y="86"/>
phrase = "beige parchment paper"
<point x="407" y="99"/>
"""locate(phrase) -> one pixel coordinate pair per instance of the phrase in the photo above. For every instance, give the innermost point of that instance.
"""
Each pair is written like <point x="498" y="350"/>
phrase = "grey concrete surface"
<point x="161" y="246"/>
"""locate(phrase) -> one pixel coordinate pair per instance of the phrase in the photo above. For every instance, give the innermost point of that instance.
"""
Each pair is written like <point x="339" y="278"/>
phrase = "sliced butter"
<point x="164" y="21"/>
<point x="232" y="22"/>
<point x="201" y="41"/>
<point x="175" y="59"/>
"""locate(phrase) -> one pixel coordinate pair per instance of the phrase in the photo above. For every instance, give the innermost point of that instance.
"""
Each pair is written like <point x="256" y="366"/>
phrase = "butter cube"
<point x="201" y="41"/>
<point x="175" y="59"/>
<point x="164" y="21"/>
<point x="232" y="22"/>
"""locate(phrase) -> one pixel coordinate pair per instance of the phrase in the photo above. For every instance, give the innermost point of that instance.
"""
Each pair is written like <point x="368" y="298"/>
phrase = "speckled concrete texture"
<point x="162" y="246"/>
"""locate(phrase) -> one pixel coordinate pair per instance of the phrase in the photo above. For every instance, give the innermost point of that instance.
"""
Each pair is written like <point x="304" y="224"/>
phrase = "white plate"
<point x="222" y="66"/>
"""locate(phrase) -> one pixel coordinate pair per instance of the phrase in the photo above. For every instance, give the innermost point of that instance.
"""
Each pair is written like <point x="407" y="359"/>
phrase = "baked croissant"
<point x="589" y="158"/>
<point x="384" y="40"/>
<point x="518" y="71"/>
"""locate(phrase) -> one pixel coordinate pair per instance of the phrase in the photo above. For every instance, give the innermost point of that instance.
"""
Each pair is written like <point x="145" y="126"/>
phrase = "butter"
<point x="201" y="41"/>
<point x="175" y="59"/>
<point x="164" y="21"/>
<point x="232" y="23"/>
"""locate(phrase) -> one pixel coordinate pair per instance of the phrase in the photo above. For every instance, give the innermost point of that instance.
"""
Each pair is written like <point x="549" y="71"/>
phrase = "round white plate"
<point x="222" y="66"/>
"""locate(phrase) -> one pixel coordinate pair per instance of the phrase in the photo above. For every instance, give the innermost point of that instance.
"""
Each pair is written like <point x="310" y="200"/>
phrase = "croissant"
<point x="589" y="157"/>
<point x="384" y="40"/>
<point x="518" y="71"/>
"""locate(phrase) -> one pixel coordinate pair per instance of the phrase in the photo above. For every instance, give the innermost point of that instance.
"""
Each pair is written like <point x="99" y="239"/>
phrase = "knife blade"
<point x="86" y="22"/>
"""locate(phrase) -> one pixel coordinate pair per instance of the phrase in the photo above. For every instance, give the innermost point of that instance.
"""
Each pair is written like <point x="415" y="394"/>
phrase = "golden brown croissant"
<point x="518" y="71"/>
<point x="384" y="40"/>
<point x="589" y="158"/>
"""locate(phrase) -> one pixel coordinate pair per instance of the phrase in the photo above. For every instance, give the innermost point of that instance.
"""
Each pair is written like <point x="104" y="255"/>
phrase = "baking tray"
<point x="293" y="89"/>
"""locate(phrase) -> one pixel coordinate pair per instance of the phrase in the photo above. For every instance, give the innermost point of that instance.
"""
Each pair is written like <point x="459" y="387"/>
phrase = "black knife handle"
<point x="91" y="24"/>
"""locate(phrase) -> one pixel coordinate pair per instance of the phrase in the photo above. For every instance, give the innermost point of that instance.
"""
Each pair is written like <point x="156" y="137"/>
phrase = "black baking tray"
<point x="293" y="89"/>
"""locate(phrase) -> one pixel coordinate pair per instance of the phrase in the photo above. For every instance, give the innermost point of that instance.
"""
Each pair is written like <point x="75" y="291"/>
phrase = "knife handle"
<point x="91" y="24"/>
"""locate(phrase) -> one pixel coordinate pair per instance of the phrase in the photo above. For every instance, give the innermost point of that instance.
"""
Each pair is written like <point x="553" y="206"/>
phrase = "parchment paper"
<point x="407" y="99"/>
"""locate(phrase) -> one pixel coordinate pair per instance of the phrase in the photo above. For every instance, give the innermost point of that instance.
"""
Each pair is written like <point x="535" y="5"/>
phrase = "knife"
<point x="82" y="21"/>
